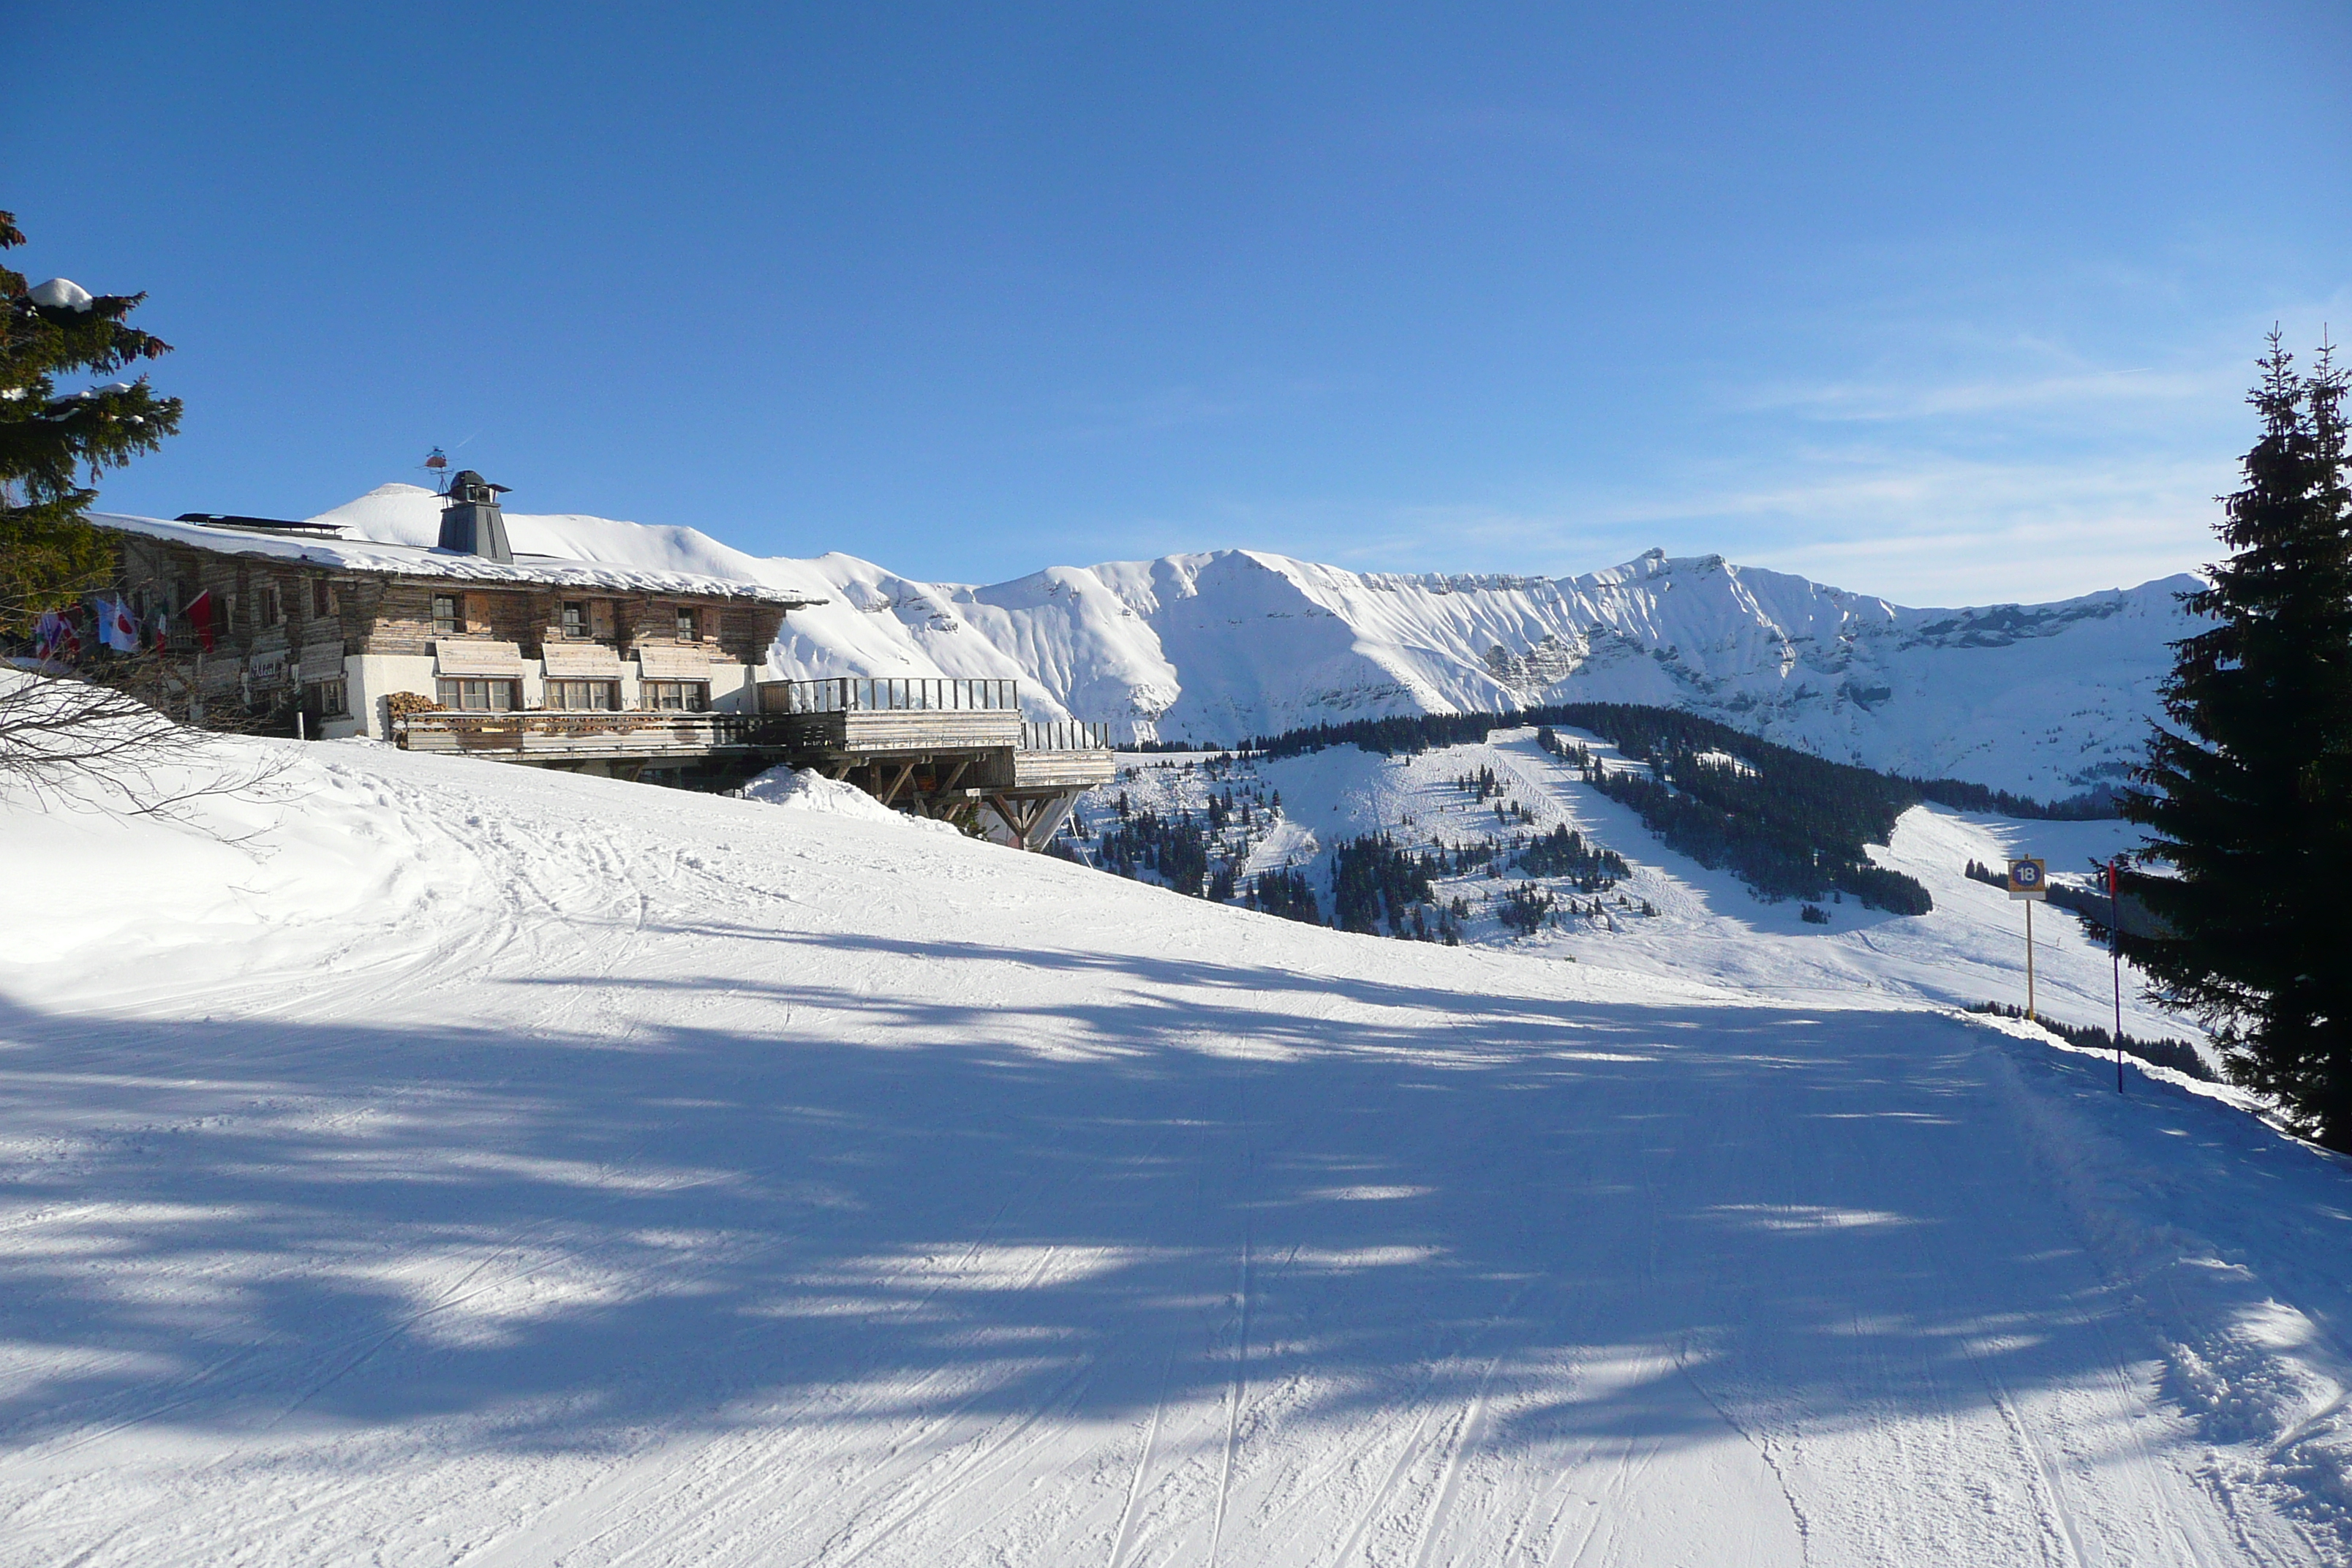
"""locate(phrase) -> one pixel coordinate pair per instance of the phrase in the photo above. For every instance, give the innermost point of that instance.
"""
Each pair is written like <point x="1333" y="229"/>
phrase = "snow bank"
<point x="804" y="789"/>
<point x="2166" y="1202"/>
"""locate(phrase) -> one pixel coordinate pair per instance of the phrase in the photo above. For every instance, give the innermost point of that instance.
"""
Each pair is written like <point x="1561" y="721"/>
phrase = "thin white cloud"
<point x="1881" y="401"/>
<point x="1921" y="529"/>
<point x="1981" y="467"/>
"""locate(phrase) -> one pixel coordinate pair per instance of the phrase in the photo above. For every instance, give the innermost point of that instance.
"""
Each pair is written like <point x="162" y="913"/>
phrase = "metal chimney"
<point x="471" y="523"/>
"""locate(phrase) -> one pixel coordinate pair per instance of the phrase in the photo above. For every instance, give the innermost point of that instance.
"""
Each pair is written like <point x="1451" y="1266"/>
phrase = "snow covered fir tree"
<point x="2248" y="793"/>
<point x="48" y="439"/>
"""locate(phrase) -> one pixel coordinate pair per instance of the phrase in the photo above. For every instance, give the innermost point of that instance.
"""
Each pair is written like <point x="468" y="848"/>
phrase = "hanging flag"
<point x="116" y="628"/>
<point x="160" y="627"/>
<point x="53" y="637"/>
<point x="199" y="611"/>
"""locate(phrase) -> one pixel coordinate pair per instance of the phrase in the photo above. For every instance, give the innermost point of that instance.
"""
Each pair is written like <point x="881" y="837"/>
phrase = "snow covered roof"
<point x="409" y="560"/>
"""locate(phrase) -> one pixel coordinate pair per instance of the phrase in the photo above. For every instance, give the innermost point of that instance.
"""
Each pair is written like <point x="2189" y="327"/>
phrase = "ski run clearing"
<point x="444" y="1163"/>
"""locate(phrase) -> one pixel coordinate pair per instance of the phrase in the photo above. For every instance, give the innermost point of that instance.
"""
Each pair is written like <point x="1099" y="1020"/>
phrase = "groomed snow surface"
<point x="471" y="1164"/>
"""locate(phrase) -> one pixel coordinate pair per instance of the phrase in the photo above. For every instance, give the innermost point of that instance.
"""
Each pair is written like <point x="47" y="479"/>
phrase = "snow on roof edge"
<point x="415" y="560"/>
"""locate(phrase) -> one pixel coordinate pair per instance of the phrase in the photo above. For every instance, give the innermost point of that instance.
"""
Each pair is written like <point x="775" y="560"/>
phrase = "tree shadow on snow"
<point x="882" y="1206"/>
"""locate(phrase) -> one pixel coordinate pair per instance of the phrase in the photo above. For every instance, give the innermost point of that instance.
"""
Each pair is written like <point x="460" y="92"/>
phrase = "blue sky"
<point x="1950" y="303"/>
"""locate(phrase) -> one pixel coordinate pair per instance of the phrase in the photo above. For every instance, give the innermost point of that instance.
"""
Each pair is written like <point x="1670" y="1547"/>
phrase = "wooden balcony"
<point x="857" y="717"/>
<point x="1069" y="755"/>
<point x="581" y="737"/>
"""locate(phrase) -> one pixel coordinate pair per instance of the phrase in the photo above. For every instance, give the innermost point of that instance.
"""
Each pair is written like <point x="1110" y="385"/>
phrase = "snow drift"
<point x="804" y="789"/>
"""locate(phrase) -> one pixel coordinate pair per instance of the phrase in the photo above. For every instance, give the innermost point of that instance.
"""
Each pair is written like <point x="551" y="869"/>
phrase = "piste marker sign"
<point x="2028" y="879"/>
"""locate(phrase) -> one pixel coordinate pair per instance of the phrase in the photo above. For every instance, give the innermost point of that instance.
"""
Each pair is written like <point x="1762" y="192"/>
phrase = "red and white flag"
<point x="53" y="636"/>
<point x="117" y="627"/>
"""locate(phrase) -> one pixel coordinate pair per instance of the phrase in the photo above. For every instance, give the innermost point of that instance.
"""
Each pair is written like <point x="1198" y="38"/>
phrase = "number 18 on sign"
<point x="2029" y="879"/>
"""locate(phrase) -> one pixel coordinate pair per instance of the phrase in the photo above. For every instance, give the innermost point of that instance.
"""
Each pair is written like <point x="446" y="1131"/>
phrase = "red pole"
<point x="2116" y="954"/>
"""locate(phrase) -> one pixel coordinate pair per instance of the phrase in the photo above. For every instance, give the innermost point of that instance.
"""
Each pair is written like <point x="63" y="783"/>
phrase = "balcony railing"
<point x="864" y="694"/>
<point x="538" y="731"/>
<point x="1065" y="735"/>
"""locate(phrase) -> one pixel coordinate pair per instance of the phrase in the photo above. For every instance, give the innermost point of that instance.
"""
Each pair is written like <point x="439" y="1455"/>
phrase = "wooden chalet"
<point x="467" y="647"/>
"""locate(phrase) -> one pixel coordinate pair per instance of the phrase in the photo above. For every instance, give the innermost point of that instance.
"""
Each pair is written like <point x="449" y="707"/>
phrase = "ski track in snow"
<point x="500" y="1168"/>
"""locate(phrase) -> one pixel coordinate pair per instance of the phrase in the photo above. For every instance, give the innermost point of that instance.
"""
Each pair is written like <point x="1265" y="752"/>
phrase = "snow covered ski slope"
<point x="482" y="1166"/>
<point x="1706" y="926"/>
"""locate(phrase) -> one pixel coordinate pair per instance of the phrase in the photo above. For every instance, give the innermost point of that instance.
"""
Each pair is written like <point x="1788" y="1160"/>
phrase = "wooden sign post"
<point x="2029" y="879"/>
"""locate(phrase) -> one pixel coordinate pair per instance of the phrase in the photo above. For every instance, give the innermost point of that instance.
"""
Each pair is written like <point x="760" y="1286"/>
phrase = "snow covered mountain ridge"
<point x="2043" y="700"/>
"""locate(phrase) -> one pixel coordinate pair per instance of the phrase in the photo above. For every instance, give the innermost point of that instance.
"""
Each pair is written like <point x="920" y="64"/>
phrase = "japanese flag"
<point x="119" y="631"/>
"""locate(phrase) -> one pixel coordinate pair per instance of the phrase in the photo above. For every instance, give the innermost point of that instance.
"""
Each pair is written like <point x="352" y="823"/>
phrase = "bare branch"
<point x="83" y="746"/>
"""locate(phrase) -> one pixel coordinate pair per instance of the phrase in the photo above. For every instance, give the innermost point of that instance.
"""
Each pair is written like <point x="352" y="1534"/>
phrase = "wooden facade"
<point x="355" y="647"/>
<point x="262" y="603"/>
<point x="300" y="631"/>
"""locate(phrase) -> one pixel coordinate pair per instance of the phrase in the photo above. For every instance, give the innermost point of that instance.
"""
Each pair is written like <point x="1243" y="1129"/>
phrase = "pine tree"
<point x="2248" y="797"/>
<point x="48" y="553"/>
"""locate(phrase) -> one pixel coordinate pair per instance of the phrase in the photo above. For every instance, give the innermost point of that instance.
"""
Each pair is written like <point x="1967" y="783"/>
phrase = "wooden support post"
<point x="1032" y="821"/>
<point x="934" y="802"/>
<point x="1051" y="813"/>
<point x="890" y="795"/>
